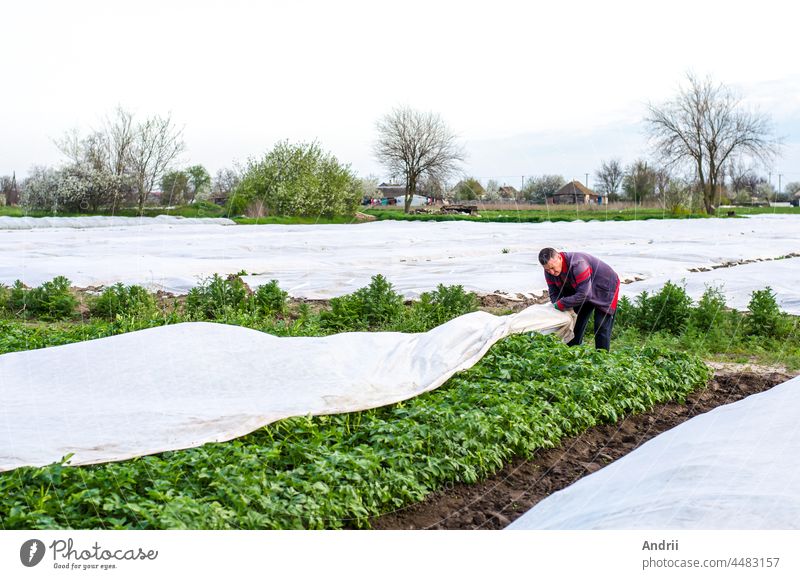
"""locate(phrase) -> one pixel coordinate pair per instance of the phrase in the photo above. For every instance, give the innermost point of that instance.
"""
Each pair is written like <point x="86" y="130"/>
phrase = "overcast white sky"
<point x="530" y="87"/>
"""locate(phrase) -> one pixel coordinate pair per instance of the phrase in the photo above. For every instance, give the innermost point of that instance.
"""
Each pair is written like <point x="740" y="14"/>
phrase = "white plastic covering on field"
<point x="323" y="261"/>
<point x="92" y="221"/>
<point x="183" y="385"/>
<point x="736" y="467"/>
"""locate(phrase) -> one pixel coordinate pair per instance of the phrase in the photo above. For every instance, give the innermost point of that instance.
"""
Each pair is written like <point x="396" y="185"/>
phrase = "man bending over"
<point x="586" y="284"/>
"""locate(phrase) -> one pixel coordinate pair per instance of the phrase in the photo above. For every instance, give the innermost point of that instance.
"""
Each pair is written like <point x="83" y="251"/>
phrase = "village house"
<point x="576" y="193"/>
<point x="508" y="192"/>
<point x="394" y="194"/>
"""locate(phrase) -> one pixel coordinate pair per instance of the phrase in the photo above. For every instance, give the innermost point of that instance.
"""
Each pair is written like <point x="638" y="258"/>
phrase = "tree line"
<point x="118" y="165"/>
<point x="641" y="182"/>
<point x="705" y="144"/>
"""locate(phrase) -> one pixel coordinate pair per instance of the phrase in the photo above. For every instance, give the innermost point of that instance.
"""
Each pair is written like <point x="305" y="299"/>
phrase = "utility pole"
<point x="769" y="182"/>
<point x="779" y="182"/>
<point x="15" y="193"/>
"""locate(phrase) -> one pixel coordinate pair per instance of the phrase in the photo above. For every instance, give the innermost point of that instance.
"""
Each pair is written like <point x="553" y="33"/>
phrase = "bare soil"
<point x="498" y="500"/>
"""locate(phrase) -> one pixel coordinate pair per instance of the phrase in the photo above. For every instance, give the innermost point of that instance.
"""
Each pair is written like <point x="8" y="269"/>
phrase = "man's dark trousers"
<point x="603" y="323"/>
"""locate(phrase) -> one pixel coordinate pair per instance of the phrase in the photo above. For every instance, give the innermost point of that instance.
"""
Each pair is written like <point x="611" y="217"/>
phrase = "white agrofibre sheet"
<point x="324" y="261"/>
<point x="184" y="385"/>
<point x="736" y="467"/>
<point x="92" y="221"/>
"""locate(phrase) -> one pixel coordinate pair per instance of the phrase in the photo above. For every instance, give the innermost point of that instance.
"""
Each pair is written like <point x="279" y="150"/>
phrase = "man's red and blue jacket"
<point x="584" y="278"/>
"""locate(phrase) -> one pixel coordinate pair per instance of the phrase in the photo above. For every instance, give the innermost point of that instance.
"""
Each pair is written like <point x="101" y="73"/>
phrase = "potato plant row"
<point x="528" y="393"/>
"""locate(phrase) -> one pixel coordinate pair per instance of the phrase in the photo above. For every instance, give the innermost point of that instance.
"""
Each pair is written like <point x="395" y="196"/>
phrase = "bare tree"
<point x="106" y="149"/>
<point x="71" y="146"/>
<point x="8" y="188"/>
<point x="792" y="188"/>
<point x="119" y="137"/>
<point x="415" y="144"/>
<point x="609" y="177"/>
<point x="133" y="155"/>
<point x="639" y="181"/>
<point x="432" y="187"/>
<point x="538" y="189"/>
<point x="156" y="143"/>
<point x="704" y="126"/>
<point x="744" y="180"/>
<point x="675" y="192"/>
<point x="225" y="182"/>
<point x="661" y="182"/>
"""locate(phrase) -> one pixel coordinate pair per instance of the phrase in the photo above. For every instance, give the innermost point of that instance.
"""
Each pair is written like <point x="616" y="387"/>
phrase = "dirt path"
<point x="495" y="502"/>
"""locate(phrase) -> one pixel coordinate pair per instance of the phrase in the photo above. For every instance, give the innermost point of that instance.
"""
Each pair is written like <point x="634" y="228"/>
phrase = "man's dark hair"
<point x="546" y="255"/>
